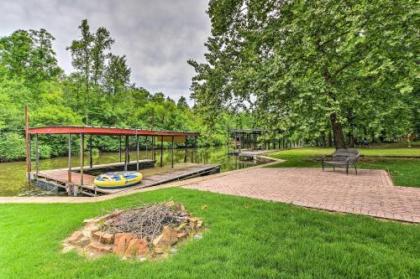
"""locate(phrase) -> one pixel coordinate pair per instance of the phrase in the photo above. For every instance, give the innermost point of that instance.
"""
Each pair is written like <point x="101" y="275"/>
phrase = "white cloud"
<point x="157" y="36"/>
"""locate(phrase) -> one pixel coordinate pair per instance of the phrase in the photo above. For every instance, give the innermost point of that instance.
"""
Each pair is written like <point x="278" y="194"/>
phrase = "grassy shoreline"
<point x="246" y="238"/>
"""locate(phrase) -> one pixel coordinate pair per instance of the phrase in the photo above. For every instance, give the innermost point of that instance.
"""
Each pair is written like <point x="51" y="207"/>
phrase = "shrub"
<point x="12" y="147"/>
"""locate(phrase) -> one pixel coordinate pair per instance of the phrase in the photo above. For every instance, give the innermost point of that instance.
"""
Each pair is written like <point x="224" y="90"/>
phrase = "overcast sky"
<point x="157" y="36"/>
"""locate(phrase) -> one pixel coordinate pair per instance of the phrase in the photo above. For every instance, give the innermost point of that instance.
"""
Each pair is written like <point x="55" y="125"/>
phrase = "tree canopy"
<point x="312" y="68"/>
<point x="99" y="92"/>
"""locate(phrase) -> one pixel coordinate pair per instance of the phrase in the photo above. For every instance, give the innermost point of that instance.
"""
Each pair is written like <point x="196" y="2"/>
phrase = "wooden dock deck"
<point x="143" y="164"/>
<point x="58" y="179"/>
<point x="248" y="155"/>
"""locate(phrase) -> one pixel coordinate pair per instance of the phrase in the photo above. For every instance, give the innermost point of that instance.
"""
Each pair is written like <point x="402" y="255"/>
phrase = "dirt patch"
<point x="147" y="232"/>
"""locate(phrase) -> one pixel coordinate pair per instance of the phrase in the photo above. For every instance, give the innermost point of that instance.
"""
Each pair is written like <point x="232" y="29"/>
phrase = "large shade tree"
<point x="313" y="66"/>
<point x="29" y="55"/>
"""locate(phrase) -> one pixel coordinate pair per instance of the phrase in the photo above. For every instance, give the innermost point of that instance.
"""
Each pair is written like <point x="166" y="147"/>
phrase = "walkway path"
<point x="369" y="193"/>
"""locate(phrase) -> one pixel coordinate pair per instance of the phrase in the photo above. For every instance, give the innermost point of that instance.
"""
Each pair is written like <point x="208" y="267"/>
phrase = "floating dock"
<point x="249" y="155"/>
<point x="80" y="181"/>
<point x="131" y="166"/>
<point x="57" y="180"/>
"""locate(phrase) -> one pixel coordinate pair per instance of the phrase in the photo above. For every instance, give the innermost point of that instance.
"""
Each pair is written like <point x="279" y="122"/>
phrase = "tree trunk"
<point x="323" y="140"/>
<point x="336" y="127"/>
<point x="351" y="139"/>
<point x="337" y="130"/>
<point x="330" y="140"/>
<point x="87" y="98"/>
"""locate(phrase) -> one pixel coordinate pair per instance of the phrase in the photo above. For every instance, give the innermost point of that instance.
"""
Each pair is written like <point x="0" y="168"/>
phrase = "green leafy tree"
<point x="158" y="97"/>
<point x="117" y="75"/>
<point x="102" y="42"/>
<point x="15" y="52"/>
<point x="43" y="61"/>
<point x="81" y="51"/>
<point x="312" y="66"/>
<point x="12" y="147"/>
<point x="182" y="103"/>
<point x="29" y="55"/>
<point x="14" y="94"/>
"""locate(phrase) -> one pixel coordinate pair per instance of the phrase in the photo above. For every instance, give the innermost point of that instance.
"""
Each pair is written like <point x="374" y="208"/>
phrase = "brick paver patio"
<point x="369" y="193"/>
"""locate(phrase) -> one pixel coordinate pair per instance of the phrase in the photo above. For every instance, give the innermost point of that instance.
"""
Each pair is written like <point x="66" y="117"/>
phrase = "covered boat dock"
<point x="78" y="180"/>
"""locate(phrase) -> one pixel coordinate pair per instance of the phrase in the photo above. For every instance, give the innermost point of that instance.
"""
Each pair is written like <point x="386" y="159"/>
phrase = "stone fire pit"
<point x="150" y="231"/>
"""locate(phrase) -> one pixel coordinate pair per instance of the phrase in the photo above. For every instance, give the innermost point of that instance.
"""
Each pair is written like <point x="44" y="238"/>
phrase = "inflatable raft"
<point x="114" y="180"/>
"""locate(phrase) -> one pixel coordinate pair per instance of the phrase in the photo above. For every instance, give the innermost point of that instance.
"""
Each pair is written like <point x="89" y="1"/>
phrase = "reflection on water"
<point x="13" y="181"/>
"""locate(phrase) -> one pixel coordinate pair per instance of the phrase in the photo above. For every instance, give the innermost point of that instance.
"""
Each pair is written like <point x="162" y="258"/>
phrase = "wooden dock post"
<point x="36" y="156"/>
<point x="137" y="152"/>
<point x="153" y="148"/>
<point x="27" y="146"/>
<point x="90" y="152"/>
<point x="186" y="150"/>
<point x="161" y="151"/>
<point x="255" y="141"/>
<point x="119" y="150"/>
<point x="193" y="151"/>
<point x="82" y="157"/>
<point x="128" y="150"/>
<point x="69" y="160"/>
<point x="147" y="141"/>
<point x="172" y="152"/>
<point x="240" y="142"/>
<point x="127" y="155"/>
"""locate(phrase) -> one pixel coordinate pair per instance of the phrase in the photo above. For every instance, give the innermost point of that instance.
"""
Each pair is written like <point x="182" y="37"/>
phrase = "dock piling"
<point x="153" y="148"/>
<point x="172" y="152"/>
<point x="119" y="150"/>
<point x="161" y="151"/>
<point x="82" y="157"/>
<point x="36" y="155"/>
<point x="69" y="160"/>
<point x="90" y="152"/>
<point x="185" y="151"/>
<point x="127" y="155"/>
<point x="137" y="152"/>
<point x="147" y="143"/>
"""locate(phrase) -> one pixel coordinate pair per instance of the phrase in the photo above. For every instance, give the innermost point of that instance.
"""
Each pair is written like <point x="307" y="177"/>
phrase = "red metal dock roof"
<point x="107" y="131"/>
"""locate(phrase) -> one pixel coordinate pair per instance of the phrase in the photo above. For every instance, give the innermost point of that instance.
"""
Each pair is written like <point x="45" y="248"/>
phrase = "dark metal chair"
<point x="343" y="158"/>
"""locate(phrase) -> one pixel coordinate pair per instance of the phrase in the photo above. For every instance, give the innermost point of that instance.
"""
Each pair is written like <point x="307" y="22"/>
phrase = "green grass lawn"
<point x="404" y="171"/>
<point x="246" y="238"/>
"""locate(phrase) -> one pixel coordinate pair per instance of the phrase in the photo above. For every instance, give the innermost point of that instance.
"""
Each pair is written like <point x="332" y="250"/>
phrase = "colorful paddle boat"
<point x="115" y="180"/>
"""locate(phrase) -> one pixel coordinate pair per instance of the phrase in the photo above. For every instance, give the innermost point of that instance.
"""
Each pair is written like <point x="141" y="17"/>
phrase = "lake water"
<point x="13" y="178"/>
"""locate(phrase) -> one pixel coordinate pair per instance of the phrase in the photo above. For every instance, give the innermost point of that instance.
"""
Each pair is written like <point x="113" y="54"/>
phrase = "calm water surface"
<point x="13" y="180"/>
